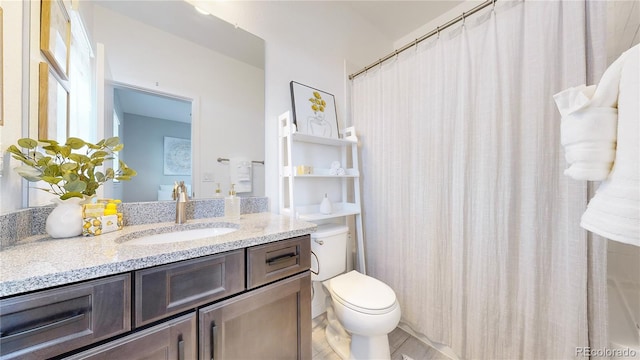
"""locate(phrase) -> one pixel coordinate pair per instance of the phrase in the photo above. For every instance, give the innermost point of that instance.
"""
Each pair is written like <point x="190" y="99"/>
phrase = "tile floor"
<point x="400" y="343"/>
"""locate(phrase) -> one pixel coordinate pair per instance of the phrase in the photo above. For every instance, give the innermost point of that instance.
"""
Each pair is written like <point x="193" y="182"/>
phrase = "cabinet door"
<point x="272" y="322"/>
<point x="170" y="289"/>
<point x="171" y="340"/>
<point x="51" y="322"/>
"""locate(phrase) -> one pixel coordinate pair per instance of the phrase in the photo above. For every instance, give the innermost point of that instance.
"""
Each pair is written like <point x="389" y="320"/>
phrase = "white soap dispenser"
<point x="325" y="206"/>
<point x="232" y="205"/>
<point x="218" y="193"/>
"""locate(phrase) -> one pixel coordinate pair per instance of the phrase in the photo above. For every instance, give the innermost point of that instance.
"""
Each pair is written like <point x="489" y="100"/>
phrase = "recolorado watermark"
<point x="606" y="352"/>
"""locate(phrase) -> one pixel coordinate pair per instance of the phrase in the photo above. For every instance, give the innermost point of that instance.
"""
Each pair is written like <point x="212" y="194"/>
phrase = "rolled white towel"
<point x="588" y="133"/>
<point x="589" y="152"/>
<point x="333" y="172"/>
<point x="590" y="126"/>
<point x="614" y="212"/>
<point x="583" y="170"/>
<point x="340" y="171"/>
<point x="335" y="165"/>
<point x="573" y="99"/>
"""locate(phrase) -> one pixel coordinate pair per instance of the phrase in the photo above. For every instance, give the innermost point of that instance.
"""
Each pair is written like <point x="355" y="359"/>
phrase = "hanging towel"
<point x="614" y="212"/>
<point x="240" y="173"/>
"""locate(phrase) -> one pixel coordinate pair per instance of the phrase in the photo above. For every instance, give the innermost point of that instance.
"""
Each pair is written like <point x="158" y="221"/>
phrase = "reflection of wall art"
<point x="53" y="106"/>
<point x="314" y="111"/>
<point x="1" y="75"/>
<point x="55" y="35"/>
<point x="177" y="156"/>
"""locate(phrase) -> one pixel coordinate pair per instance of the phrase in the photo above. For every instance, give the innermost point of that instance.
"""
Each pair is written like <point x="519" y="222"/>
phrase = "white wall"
<point x="228" y="114"/>
<point x="144" y="149"/>
<point x="317" y="43"/>
<point x="10" y="182"/>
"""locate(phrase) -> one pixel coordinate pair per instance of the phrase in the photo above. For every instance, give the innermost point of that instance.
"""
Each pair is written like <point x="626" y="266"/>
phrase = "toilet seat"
<point x="363" y="293"/>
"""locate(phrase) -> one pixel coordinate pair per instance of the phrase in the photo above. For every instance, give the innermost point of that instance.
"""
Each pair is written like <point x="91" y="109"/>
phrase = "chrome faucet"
<point x="181" y="198"/>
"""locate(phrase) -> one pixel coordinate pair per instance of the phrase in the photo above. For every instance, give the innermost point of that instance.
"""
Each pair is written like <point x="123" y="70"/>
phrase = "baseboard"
<point x="441" y="348"/>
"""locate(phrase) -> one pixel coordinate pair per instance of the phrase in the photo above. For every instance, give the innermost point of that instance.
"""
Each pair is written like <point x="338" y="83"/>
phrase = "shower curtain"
<point x="467" y="213"/>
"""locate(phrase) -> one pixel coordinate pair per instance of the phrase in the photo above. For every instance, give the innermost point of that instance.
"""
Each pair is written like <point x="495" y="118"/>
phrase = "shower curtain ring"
<point x="463" y="18"/>
<point x="396" y="54"/>
<point x="438" y="31"/>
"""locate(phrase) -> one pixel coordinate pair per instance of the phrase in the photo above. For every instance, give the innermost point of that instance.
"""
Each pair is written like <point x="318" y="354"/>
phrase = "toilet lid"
<point x="362" y="292"/>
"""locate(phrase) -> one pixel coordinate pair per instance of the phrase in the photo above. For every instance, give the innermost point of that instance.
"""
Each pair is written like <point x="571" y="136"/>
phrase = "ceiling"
<point x="394" y="19"/>
<point x="398" y="18"/>
<point x="151" y="105"/>
<point x="181" y="19"/>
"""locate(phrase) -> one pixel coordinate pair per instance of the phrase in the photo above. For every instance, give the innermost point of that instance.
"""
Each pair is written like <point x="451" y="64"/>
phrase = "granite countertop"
<point x="41" y="262"/>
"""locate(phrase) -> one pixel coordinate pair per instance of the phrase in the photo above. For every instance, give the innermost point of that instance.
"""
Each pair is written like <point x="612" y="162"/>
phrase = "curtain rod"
<point x="426" y="36"/>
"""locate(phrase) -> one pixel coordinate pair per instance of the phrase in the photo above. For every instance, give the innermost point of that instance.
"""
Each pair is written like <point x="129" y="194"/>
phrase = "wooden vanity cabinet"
<point x="252" y="303"/>
<point x="268" y="322"/>
<point x="272" y="322"/>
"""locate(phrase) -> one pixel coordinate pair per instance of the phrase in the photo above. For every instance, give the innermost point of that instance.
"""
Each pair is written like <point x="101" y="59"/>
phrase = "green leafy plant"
<point x="72" y="169"/>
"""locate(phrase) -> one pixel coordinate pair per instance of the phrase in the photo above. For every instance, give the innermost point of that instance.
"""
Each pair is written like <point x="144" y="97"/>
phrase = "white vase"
<point x="325" y="206"/>
<point x="66" y="218"/>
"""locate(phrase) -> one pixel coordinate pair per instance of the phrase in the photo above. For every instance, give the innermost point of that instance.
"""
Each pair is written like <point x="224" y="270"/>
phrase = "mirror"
<point x="213" y="70"/>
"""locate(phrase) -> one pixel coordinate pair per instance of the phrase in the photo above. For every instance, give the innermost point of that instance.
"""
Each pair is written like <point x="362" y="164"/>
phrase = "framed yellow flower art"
<point x="314" y="111"/>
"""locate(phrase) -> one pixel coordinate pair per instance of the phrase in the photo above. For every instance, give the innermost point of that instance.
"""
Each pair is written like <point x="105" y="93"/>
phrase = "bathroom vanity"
<point x="246" y="294"/>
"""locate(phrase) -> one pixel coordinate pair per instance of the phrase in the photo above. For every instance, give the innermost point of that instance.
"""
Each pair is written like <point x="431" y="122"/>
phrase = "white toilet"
<point x="363" y="306"/>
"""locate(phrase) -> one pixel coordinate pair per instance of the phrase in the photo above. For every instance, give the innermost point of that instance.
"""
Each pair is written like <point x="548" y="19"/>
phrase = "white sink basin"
<point x="180" y="236"/>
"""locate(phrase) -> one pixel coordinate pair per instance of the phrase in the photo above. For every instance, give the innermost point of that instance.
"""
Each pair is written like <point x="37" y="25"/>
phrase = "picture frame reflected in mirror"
<point x="55" y="35"/>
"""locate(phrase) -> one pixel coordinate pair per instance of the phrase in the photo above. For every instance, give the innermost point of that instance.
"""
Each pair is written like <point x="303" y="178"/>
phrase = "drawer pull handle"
<point x="29" y="332"/>
<point x="280" y="259"/>
<point x="213" y="340"/>
<point x="181" y="349"/>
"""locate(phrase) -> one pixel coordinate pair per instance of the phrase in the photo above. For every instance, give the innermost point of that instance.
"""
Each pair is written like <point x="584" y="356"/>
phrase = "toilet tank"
<point x="329" y="244"/>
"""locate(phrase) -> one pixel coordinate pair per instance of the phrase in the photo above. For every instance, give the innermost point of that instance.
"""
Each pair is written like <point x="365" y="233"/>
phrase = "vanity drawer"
<point x="169" y="289"/>
<point x="51" y="322"/>
<point x="274" y="261"/>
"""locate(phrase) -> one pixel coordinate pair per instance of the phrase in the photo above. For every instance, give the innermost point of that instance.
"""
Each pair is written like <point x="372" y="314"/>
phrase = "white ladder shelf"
<point x="294" y="197"/>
